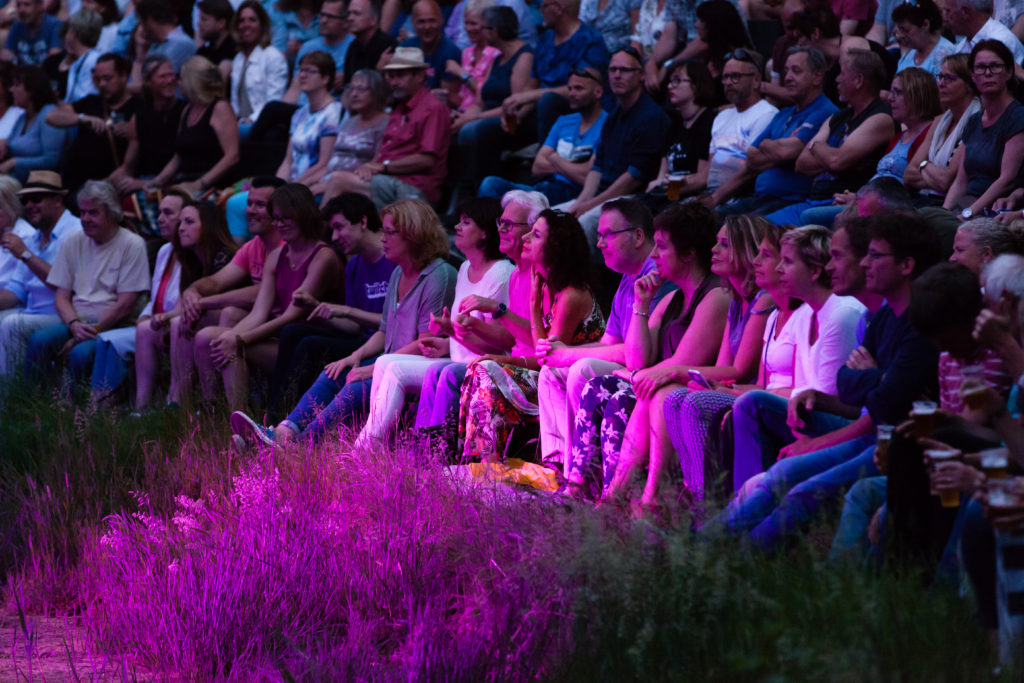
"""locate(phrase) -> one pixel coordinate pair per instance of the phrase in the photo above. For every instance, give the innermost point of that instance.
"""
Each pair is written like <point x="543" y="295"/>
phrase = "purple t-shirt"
<point x="366" y="284"/>
<point x="622" y="303"/>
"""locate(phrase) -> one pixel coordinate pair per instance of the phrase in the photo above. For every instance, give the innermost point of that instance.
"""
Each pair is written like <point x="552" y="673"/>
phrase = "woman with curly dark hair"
<point x="500" y="392"/>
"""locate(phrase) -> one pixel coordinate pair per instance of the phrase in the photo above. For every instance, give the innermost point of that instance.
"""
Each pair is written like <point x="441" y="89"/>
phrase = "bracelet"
<point x="632" y="375"/>
<point x="637" y="311"/>
<point x="72" y="322"/>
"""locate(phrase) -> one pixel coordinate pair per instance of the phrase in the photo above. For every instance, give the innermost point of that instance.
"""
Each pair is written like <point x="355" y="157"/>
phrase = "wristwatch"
<point x="387" y="167"/>
<point x="923" y="164"/>
<point x="502" y="310"/>
<point x="967" y="213"/>
<point x="26" y="256"/>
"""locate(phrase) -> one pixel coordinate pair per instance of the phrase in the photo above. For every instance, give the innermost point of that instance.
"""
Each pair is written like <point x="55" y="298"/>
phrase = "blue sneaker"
<point x="244" y="426"/>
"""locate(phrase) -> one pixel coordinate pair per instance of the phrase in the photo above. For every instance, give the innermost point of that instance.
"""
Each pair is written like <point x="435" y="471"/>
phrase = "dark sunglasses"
<point x="584" y="72"/>
<point x="741" y="54"/>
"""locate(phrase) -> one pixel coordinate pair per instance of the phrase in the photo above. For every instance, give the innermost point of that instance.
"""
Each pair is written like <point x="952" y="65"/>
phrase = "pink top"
<point x="251" y="258"/>
<point x="519" y="283"/>
<point x="286" y="280"/>
<point x="419" y="125"/>
<point x="477" y="69"/>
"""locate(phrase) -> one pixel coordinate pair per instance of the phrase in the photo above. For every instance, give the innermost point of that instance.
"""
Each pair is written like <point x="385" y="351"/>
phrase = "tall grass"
<point x="333" y="565"/>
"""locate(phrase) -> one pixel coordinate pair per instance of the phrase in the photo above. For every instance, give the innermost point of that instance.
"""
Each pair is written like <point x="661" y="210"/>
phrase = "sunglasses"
<point x="585" y="72"/>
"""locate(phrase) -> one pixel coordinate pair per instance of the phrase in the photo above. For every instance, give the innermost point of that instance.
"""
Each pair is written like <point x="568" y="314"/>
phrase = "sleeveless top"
<point x="738" y="319"/>
<point x="498" y="86"/>
<point x="159" y="132"/>
<point x="286" y="280"/>
<point x="197" y="146"/>
<point x="678" y="319"/>
<point x="590" y="329"/>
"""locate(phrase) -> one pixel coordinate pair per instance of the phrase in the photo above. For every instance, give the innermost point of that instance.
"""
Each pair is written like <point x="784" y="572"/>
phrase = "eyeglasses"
<point x="358" y="88"/>
<point x="328" y="15"/>
<point x="735" y="77"/>
<point x="309" y="71"/>
<point x="505" y="225"/>
<point x="623" y="69"/>
<point x="678" y="81"/>
<point x="585" y="72"/>
<point x="994" y="68"/>
<point x="605" y="236"/>
<point x="947" y="78"/>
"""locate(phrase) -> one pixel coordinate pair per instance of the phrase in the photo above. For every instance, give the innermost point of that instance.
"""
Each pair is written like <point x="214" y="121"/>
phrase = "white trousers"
<point x="394" y="377"/>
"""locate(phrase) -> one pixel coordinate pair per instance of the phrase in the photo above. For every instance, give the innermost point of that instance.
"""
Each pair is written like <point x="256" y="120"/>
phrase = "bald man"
<point x="437" y="48"/>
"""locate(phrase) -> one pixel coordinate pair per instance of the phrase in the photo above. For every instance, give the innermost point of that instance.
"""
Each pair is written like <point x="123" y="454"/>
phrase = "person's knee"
<point x="230" y="315"/>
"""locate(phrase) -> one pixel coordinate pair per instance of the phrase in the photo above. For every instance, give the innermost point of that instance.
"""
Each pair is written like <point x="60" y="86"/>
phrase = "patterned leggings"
<point x="689" y="416"/>
<point x="600" y="425"/>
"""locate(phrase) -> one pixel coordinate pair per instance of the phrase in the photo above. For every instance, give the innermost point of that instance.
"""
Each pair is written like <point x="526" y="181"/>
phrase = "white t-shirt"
<point x="8" y="263"/>
<point x="732" y="133"/>
<point x="97" y="273"/>
<point x="818" y="364"/>
<point x="992" y="30"/>
<point x="493" y="285"/>
<point x="777" y="352"/>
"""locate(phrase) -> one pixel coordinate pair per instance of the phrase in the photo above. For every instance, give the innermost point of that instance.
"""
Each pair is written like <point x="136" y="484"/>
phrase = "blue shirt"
<point x="565" y="138"/>
<point x="337" y="52"/>
<point x="33" y="48"/>
<point x="632" y="141"/>
<point x="552" y="63"/>
<point x="438" y="59"/>
<point x="907" y="367"/>
<point x="621" y="313"/>
<point x="366" y="285"/>
<point x="783" y="181"/>
<point x="32" y="292"/>
<point x="177" y="47"/>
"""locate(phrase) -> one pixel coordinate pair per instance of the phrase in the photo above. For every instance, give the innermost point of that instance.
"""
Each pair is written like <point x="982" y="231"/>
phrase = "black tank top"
<point x="676" y="321"/>
<point x="198" y="147"/>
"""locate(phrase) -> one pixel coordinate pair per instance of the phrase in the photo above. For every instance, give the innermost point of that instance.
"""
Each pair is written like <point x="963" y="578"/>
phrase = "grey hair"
<point x="87" y="25"/>
<point x="379" y="90"/>
<point x="983" y="6"/>
<point x="534" y="201"/>
<point x="1001" y="239"/>
<point x="477" y="6"/>
<point x="9" y="195"/>
<point x="105" y="195"/>
<point x="1004" y="274"/>
<point x="815" y="58"/>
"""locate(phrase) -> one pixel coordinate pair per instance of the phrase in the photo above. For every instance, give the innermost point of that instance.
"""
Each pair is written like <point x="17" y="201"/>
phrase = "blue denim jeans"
<point x="327" y="403"/>
<point x="821" y="215"/>
<point x="45" y="344"/>
<point x="792" y="214"/>
<point x="790" y="494"/>
<point x="760" y="431"/>
<point x="555" y="190"/>
<point x="863" y="500"/>
<point x="439" y="396"/>
<point x="108" y="369"/>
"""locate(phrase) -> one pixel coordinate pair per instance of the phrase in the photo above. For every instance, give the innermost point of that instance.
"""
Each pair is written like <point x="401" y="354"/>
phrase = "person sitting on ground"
<point x="632" y="141"/>
<point x="34" y="144"/>
<point x="26" y="301"/>
<point x="206" y="147"/>
<point x="567" y="156"/>
<point x="499" y="391"/>
<point x="34" y="35"/>
<point x="919" y="32"/>
<point x="844" y="153"/>
<point x="304" y="261"/>
<point x="199" y="246"/>
<point x="990" y="160"/>
<point x="625" y="236"/>
<point x="153" y="131"/>
<point x="99" y="146"/>
<point x="226" y="296"/>
<point x="100" y="275"/>
<point x="771" y="158"/>
<point x="314" y="124"/>
<point x="484" y="274"/>
<point x="494" y="325"/>
<point x="646" y="440"/>
<point x="686" y="325"/>
<point x="259" y="72"/>
<point x="336" y="330"/>
<point x="930" y="170"/>
<point x="421" y="285"/>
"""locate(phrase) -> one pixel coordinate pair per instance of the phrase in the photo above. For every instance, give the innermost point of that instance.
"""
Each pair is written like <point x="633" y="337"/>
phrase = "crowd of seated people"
<point x="691" y="266"/>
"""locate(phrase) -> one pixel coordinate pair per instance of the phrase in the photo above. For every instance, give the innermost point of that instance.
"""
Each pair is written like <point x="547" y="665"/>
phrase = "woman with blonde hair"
<point x="422" y="284"/>
<point x="207" y="143"/>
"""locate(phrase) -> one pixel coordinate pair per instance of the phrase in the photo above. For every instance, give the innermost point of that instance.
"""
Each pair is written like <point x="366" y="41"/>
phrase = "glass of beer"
<point x="1000" y="494"/>
<point x="972" y="386"/>
<point x="949" y="498"/>
<point x="511" y="122"/>
<point x="674" y="188"/>
<point x="924" y="416"/>
<point x="884" y="438"/>
<point x="994" y="462"/>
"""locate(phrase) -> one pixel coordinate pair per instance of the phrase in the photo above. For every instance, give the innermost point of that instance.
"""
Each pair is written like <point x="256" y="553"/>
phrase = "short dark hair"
<point x="917" y="13"/>
<point x="857" y="230"/>
<point x="635" y="212"/>
<point x="297" y="202"/>
<point x="485" y="212"/>
<point x="705" y="92"/>
<point x="323" y="62"/>
<point x="504" y="21"/>
<point x="690" y="227"/>
<point x="160" y="11"/>
<point x="218" y="9"/>
<point x="266" y="181"/>
<point x="36" y="83"/>
<point x="1001" y="51"/>
<point x="631" y="51"/>
<point x="893" y="193"/>
<point x="121" y="65"/>
<point x="354" y="207"/>
<point x="867" y="64"/>
<point x="820" y="18"/>
<point x="566" y="251"/>
<point x="909" y="235"/>
<point x="947" y="296"/>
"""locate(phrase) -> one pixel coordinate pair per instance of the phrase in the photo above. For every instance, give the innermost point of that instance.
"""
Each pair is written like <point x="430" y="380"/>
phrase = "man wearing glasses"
<point x="567" y="155"/>
<point x="771" y="158"/>
<point x="631" y="146"/>
<point x="334" y="38"/>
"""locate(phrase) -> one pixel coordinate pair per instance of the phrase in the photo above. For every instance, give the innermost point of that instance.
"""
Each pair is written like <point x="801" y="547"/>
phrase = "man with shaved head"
<point x="437" y="47"/>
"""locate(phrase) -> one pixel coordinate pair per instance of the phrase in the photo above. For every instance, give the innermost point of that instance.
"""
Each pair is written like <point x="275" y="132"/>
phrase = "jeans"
<point x="821" y="215"/>
<point x="108" y="369"/>
<point x="439" y="395"/>
<point x="387" y="189"/>
<point x="479" y="147"/>
<point x="327" y="403"/>
<point x="790" y="494"/>
<point x="760" y="431"/>
<point x="45" y="344"/>
<point x="851" y="543"/>
<point x="792" y="214"/>
<point x="302" y="353"/>
<point x="15" y="330"/>
<point x="555" y="190"/>
<point x="757" y="206"/>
